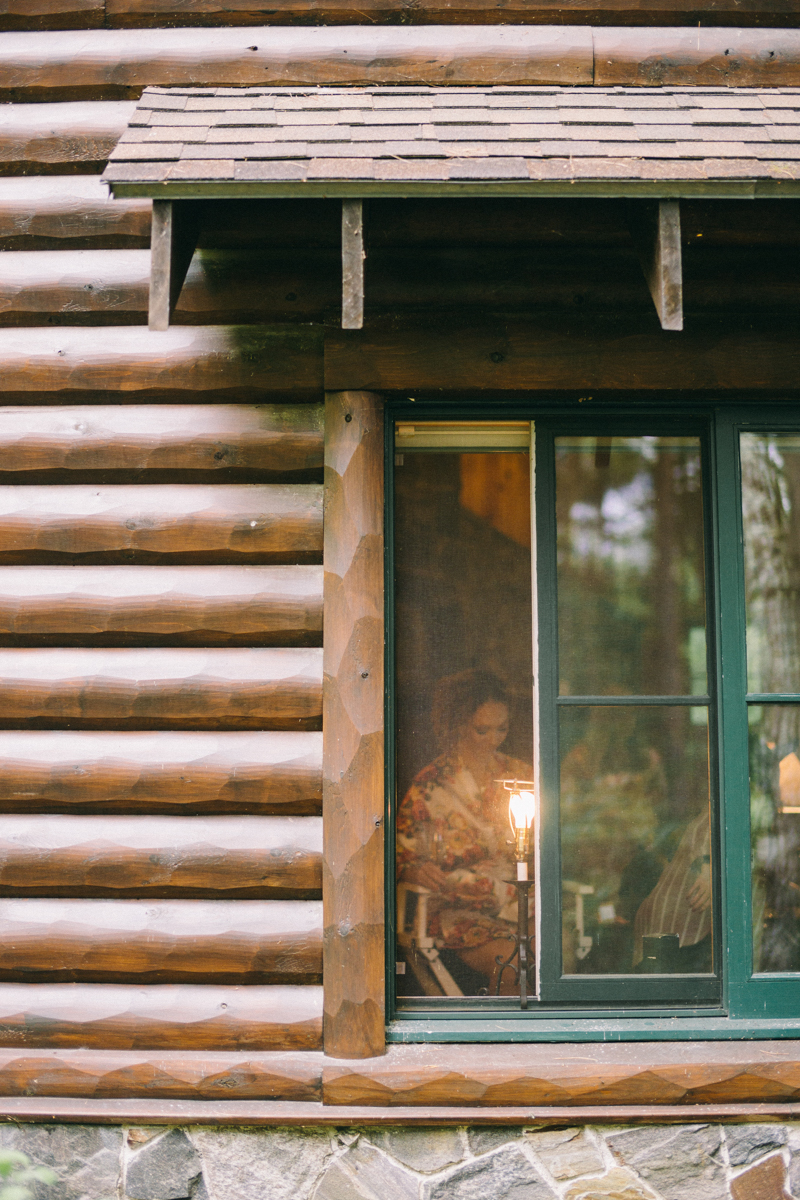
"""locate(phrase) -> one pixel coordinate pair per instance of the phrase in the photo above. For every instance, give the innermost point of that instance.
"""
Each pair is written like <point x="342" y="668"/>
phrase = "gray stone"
<point x="424" y="1150"/>
<point x="679" y="1163"/>
<point x="278" y="1163"/>
<point x="746" y="1143"/>
<point x="505" y="1175"/>
<point x="490" y="1137"/>
<point x="86" y="1158"/>
<point x="566" y="1153"/>
<point x="369" y="1175"/>
<point x="166" y="1168"/>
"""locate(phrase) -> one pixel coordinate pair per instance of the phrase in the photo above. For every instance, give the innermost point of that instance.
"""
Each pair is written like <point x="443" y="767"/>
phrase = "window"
<point x="602" y="608"/>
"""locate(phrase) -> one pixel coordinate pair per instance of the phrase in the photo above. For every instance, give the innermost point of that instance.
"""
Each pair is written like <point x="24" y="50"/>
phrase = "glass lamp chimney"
<point x="521" y="814"/>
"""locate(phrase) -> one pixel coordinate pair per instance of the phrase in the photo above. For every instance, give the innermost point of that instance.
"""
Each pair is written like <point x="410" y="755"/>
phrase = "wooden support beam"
<point x="173" y="237"/>
<point x="656" y="232"/>
<point x="352" y="264"/>
<point x="353" y="752"/>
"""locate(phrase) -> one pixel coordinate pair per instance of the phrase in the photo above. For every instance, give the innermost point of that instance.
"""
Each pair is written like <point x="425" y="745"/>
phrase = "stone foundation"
<point x="652" y="1162"/>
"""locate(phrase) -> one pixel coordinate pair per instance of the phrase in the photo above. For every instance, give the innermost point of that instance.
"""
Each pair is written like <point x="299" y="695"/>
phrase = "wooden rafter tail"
<point x="656" y="232"/>
<point x="175" y="229"/>
<point x="353" y="264"/>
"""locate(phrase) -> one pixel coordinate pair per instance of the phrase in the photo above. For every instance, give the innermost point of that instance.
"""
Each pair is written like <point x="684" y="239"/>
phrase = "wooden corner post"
<point x="353" y="754"/>
<point x="352" y="264"/>
<point x="656" y="232"/>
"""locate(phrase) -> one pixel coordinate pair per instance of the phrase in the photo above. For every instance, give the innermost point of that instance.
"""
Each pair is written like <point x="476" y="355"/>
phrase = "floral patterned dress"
<point x="446" y="818"/>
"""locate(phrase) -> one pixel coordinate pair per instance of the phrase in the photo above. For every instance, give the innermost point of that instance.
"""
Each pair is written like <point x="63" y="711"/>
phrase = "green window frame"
<point x="736" y="1002"/>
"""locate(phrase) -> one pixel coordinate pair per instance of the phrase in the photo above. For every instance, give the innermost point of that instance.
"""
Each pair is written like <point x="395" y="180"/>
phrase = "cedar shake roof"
<point x="494" y="140"/>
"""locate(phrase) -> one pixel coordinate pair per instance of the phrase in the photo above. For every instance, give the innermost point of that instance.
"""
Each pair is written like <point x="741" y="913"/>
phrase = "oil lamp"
<point x="521" y="816"/>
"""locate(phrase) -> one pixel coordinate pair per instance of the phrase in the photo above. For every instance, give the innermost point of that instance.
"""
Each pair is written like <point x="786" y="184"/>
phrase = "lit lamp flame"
<point x="521" y="815"/>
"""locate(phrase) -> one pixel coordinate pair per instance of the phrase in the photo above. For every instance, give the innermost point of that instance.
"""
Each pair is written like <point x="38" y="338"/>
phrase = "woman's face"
<point x="486" y="730"/>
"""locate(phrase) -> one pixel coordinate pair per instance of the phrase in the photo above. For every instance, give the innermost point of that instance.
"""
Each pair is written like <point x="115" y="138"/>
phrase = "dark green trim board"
<point x="734" y="1003"/>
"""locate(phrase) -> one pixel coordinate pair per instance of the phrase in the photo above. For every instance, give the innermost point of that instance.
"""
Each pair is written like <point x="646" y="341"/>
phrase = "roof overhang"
<point x="654" y="145"/>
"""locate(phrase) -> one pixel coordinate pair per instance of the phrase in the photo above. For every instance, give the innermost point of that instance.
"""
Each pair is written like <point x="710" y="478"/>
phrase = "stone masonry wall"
<point x="655" y="1162"/>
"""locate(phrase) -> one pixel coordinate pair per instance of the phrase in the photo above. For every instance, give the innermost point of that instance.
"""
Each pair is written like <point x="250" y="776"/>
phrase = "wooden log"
<point x="663" y="1073"/>
<point x="173" y="523"/>
<point x="110" y="287"/>
<point x="231" y="858"/>
<point x="117" y="64"/>
<point x="656" y="234"/>
<point x="142" y="13"/>
<point x="352" y="264"/>
<point x="173" y="941"/>
<point x="52" y="211"/>
<point x="194" y="1017"/>
<point x="225" y="363"/>
<point x="353" y="754"/>
<point x="189" y="1075"/>
<point x="161" y="606"/>
<point x="161" y="443"/>
<point x="697" y="57"/>
<point x="586" y="356"/>
<point x="160" y="689"/>
<point x="51" y="14"/>
<point x="173" y="238"/>
<point x="59" y="139"/>
<point x="55" y="772"/>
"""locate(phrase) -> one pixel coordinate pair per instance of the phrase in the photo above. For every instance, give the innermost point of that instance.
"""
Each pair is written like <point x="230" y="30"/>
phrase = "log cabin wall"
<point x="161" y="925"/>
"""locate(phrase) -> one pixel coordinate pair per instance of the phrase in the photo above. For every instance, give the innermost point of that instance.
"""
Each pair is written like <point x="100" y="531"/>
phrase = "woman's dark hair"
<point x="457" y="697"/>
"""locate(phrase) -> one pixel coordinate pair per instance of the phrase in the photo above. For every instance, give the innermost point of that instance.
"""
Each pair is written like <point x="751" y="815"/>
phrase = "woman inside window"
<point x="453" y="831"/>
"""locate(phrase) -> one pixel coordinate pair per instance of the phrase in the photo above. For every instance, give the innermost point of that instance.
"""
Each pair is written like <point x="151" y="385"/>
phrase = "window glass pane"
<point x="635" y="840"/>
<point x="771" y="519"/>
<point x="631" y="587"/>
<point x="775" y="834"/>
<point x="464" y="709"/>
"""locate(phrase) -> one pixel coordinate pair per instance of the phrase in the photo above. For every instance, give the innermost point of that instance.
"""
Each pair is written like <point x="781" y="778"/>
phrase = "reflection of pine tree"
<point x="771" y="516"/>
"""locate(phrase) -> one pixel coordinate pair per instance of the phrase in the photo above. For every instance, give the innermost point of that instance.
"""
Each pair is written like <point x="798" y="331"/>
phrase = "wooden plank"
<point x="42" y="1110"/>
<point x="231" y="858"/>
<point x="189" y="1017"/>
<point x="52" y="211"/>
<point x="586" y="356"/>
<point x="697" y="56"/>
<point x="116" y="64"/>
<point x="161" y="443"/>
<point x="194" y="362"/>
<point x="142" y="13"/>
<point x="160" y="689"/>
<point x="59" y="139"/>
<point x="161" y="606"/>
<point x="175" y="228"/>
<point x="51" y="14"/>
<point x="172" y="941"/>
<point x="190" y="1075"/>
<point x="353" y="754"/>
<point x="352" y="264"/>
<point x="656" y="234"/>
<point x="648" y="1073"/>
<point x="152" y="524"/>
<point x="181" y="773"/>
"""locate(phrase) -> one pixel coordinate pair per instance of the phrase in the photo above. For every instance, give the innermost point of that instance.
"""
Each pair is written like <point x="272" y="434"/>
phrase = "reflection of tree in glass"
<point x="771" y="519"/>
